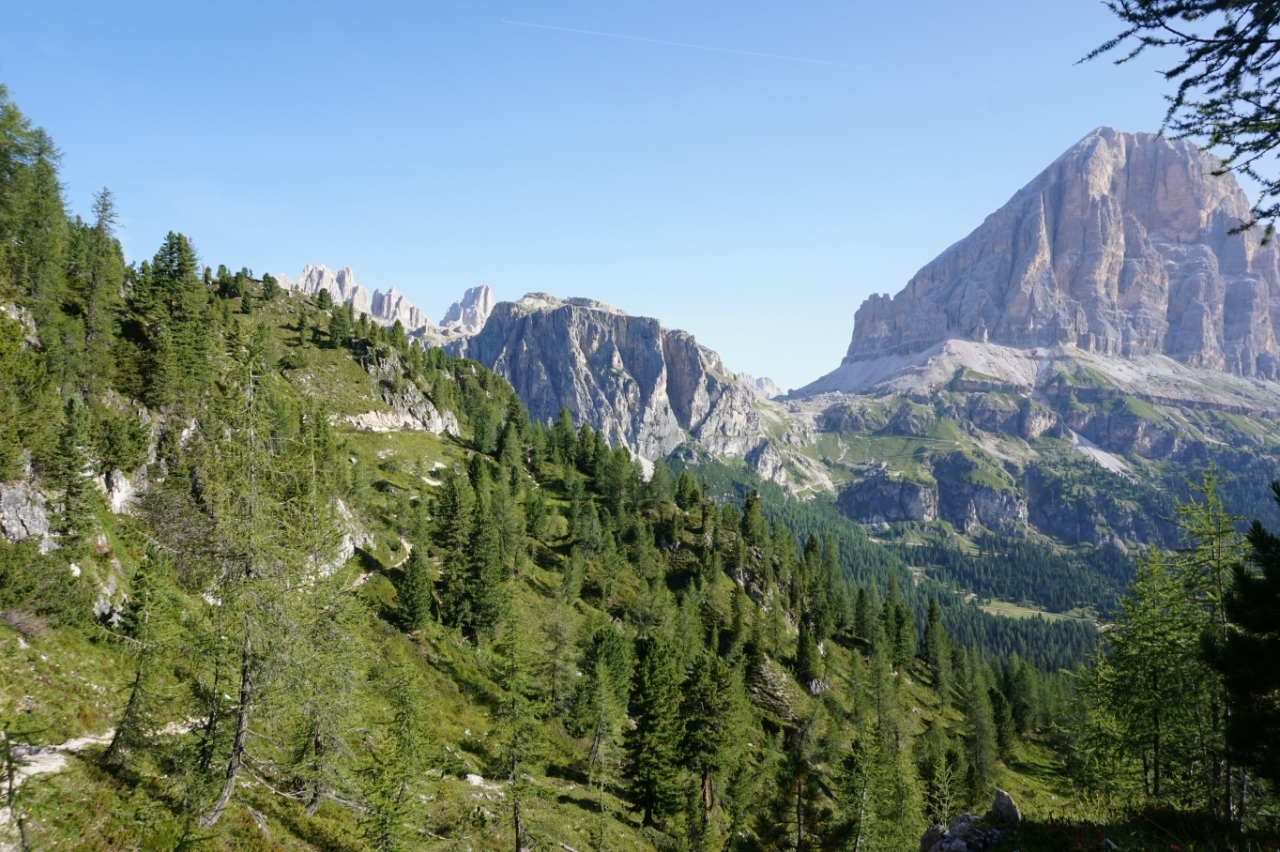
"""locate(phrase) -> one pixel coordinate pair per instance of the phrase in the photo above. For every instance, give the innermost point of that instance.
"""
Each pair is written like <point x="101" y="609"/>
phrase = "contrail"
<point x="680" y="44"/>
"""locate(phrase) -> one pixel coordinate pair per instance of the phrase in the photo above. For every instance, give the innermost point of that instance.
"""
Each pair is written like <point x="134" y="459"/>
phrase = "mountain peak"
<point x="1122" y="246"/>
<point x="384" y="308"/>
<point x="468" y="314"/>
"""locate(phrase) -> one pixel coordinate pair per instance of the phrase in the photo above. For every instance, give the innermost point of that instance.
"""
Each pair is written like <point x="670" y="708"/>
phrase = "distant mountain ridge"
<point x="643" y="386"/>
<point x="465" y="316"/>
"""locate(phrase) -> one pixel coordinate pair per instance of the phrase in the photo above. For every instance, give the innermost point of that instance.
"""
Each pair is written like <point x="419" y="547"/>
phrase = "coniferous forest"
<point x="237" y="621"/>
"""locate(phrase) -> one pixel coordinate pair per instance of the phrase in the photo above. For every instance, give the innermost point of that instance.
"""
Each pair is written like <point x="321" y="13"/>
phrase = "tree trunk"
<point x="1155" y="741"/>
<point x="799" y="818"/>
<point x="210" y="819"/>
<point x="317" y="790"/>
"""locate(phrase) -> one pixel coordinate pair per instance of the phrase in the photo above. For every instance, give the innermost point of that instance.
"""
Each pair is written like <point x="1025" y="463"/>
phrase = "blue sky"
<point x="752" y="200"/>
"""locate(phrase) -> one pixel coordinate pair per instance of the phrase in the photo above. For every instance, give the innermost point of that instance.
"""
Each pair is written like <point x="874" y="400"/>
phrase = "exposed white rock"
<point x="122" y="491"/>
<point x="1155" y="377"/>
<point x="23" y="513"/>
<point x="396" y="421"/>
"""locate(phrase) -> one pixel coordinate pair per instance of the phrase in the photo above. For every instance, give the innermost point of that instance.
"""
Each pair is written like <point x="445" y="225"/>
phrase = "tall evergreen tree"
<point x="653" y="745"/>
<point x="937" y="652"/>
<point x="415" y="591"/>
<point x="1248" y="656"/>
<point x="71" y="475"/>
<point x="712" y="723"/>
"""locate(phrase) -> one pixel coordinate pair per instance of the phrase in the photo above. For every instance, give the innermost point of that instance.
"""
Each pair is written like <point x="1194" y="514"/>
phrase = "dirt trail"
<point x="41" y="760"/>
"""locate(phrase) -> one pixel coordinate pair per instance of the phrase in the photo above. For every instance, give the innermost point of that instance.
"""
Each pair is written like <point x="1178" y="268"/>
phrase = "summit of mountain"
<point x="1124" y="246"/>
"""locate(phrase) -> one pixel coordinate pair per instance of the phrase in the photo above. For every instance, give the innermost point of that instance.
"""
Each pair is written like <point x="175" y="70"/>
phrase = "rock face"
<point x="410" y="408"/>
<point x="644" y="386"/>
<point x="1121" y="247"/>
<point x="385" y="308"/>
<point x="23" y="513"/>
<point x="469" y="314"/>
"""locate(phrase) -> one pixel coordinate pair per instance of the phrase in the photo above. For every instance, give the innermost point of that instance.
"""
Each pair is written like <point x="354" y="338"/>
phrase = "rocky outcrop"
<point x="24" y="513"/>
<point x="385" y="308"/>
<point x="967" y="833"/>
<point x="410" y="408"/>
<point x="951" y="495"/>
<point x="1123" y="246"/>
<point x="643" y="386"/>
<point x="882" y="498"/>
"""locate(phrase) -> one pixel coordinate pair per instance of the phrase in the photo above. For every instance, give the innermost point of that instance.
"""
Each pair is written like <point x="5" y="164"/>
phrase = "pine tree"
<point x="653" y="745"/>
<point x="712" y="724"/>
<point x="980" y="731"/>
<point x="1248" y="657"/>
<point x="687" y="494"/>
<point x="808" y="663"/>
<point x="483" y="592"/>
<point x="608" y="655"/>
<point x="937" y="652"/>
<point x="147" y="626"/>
<point x="270" y="287"/>
<point x="517" y="729"/>
<point x="340" y="329"/>
<point x="563" y="438"/>
<point x="415" y="591"/>
<point x="607" y="718"/>
<point x="393" y="761"/>
<point x="100" y="293"/>
<point x="71" y="476"/>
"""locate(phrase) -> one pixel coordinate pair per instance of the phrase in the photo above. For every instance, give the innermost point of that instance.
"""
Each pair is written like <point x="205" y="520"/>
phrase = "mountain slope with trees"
<point x="324" y="588"/>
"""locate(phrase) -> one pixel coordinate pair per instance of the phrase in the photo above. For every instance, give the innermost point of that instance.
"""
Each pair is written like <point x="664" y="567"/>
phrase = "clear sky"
<point x="741" y="193"/>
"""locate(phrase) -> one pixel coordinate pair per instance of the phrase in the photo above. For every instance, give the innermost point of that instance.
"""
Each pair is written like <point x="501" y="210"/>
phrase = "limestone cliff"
<point x="644" y="386"/>
<point x="1122" y="246"/>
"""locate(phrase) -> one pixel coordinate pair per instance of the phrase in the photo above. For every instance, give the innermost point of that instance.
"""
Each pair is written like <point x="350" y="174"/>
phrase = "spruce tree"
<point x="653" y="745"/>
<point x="1248" y="657"/>
<point x="415" y="591"/>
<point x="483" y="592"/>
<point x="937" y="652"/>
<point x="980" y="731"/>
<point x="711" y="722"/>
<point x="71" y="476"/>
<point x="808" y="663"/>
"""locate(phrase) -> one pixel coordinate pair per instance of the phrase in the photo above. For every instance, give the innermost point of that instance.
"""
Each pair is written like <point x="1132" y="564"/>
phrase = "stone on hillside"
<point x="1004" y="809"/>
<point x="23" y="513"/>
<point x="965" y="834"/>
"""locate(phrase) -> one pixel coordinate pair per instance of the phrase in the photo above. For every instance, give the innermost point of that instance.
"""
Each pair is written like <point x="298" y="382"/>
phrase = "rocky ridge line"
<point x="649" y="388"/>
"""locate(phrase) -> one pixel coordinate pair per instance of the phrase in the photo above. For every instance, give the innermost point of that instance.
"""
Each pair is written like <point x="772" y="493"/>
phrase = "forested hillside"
<point x="313" y="586"/>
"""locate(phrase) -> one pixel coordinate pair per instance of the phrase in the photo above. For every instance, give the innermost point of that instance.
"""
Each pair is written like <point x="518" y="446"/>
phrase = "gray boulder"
<point x="1003" y="810"/>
